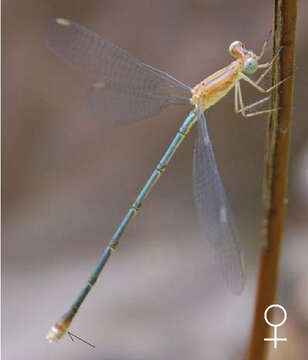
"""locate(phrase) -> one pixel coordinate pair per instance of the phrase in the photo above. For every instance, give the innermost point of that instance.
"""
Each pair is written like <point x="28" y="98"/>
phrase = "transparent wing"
<point x="214" y="211"/>
<point x="123" y="87"/>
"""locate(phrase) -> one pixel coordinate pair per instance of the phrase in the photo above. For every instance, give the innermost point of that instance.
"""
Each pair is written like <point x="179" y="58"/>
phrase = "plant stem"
<point x="275" y="177"/>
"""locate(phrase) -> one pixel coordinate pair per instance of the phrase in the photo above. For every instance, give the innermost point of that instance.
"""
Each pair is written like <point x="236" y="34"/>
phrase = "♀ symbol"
<point x="275" y="339"/>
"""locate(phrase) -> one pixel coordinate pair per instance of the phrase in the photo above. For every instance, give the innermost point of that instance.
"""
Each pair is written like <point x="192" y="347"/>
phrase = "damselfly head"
<point x="250" y="61"/>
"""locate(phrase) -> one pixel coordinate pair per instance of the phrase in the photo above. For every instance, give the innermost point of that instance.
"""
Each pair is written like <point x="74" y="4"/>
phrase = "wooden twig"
<point x="275" y="178"/>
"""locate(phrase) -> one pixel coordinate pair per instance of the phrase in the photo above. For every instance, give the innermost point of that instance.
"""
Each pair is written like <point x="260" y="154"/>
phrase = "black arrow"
<point x="77" y="337"/>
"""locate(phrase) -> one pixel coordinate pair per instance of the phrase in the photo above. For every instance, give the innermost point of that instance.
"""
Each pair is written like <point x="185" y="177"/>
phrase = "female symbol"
<point x="275" y="339"/>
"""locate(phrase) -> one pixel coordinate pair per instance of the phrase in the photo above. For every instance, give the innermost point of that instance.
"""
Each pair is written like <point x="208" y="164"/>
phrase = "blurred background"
<point x="68" y="180"/>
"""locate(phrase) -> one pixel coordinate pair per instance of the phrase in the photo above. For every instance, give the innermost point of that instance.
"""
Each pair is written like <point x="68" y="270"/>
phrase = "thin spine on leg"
<point x="243" y="108"/>
<point x="259" y="88"/>
<point x="268" y="67"/>
<point x="265" y="44"/>
<point x="259" y="102"/>
<point x="60" y="327"/>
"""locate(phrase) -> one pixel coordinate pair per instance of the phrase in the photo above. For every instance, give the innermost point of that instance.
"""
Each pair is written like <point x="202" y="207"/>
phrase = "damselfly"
<point x="124" y="90"/>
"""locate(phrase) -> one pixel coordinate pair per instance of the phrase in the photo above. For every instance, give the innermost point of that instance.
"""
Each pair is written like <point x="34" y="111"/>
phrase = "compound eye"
<point x="234" y="48"/>
<point x="250" y="66"/>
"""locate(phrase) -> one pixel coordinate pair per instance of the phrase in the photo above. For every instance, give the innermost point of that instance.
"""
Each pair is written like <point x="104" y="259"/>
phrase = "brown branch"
<point x="275" y="178"/>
